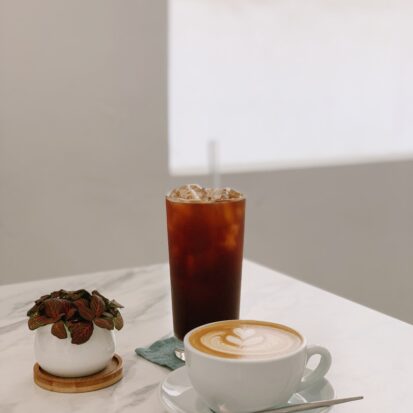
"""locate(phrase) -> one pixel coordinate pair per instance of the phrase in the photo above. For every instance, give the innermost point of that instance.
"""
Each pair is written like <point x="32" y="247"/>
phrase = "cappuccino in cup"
<point x="245" y="365"/>
<point x="245" y="339"/>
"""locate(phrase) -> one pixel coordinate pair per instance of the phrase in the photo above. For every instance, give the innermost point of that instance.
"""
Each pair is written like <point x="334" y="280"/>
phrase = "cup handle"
<point x="320" y="371"/>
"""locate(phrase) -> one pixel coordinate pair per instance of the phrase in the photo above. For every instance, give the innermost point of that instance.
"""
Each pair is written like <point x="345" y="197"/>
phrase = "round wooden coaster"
<point x="110" y="375"/>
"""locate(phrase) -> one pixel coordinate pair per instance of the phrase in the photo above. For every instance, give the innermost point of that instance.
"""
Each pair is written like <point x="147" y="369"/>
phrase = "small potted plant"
<point x="74" y="331"/>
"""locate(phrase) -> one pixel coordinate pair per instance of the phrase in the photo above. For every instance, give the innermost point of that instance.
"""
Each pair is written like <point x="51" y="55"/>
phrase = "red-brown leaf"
<point x="97" y="305"/>
<point x="84" y="310"/>
<point x="118" y="321"/>
<point x="71" y="313"/>
<point x="42" y="298"/>
<point x="33" y="310"/>
<point x="69" y="309"/>
<point x="53" y="308"/>
<point x="105" y="323"/>
<point x="96" y="292"/>
<point x="80" y="331"/>
<point x="66" y="305"/>
<point x="59" y="330"/>
<point x="80" y="301"/>
<point x="78" y="294"/>
<point x="36" y="321"/>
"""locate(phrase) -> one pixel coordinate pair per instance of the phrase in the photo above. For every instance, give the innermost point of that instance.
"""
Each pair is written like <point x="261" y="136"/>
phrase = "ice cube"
<point x="197" y="193"/>
<point x="188" y="192"/>
<point x="223" y="194"/>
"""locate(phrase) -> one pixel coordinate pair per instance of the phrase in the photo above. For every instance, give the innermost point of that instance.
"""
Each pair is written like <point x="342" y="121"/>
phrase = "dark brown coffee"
<point x="205" y="238"/>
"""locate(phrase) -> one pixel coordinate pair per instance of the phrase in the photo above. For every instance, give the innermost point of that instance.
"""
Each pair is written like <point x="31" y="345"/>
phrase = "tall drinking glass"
<point x="205" y="238"/>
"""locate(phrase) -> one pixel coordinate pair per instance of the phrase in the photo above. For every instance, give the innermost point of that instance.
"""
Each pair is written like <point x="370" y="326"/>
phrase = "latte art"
<point x="245" y="339"/>
<point x="258" y="341"/>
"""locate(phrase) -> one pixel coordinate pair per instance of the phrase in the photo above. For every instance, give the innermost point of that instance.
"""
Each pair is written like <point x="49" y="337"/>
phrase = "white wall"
<point x="83" y="135"/>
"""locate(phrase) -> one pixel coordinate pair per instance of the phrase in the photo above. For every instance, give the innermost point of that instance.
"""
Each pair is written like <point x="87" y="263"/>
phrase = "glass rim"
<point x="200" y="202"/>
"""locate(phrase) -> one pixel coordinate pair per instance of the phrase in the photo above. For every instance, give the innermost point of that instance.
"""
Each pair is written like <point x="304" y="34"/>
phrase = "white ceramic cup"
<point x="248" y="385"/>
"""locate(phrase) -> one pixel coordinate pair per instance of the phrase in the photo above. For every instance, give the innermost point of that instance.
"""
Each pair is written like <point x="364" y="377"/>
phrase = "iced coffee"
<point x="205" y="238"/>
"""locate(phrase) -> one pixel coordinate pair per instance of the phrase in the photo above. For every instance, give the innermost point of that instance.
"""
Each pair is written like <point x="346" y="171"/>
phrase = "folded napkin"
<point x="162" y="352"/>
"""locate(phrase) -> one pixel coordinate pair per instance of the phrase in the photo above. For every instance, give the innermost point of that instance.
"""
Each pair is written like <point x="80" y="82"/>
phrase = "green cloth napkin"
<point x="162" y="352"/>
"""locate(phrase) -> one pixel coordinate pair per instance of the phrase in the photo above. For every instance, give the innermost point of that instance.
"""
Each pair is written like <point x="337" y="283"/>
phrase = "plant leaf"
<point x="115" y="304"/>
<point x="104" y="323"/>
<point x="80" y="331"/>
<point x="59" y="330"/>
<point x="97" y="305"/>
<point x="85" y="311"/>
<point x="42" y="298"/>
<point x="71" y="313"/>
<point x="107" y="315"/>
<point x="68" y="308"/>
<point x="53" y="308"/>
<point x="33" y="310"/>
<point x="36" y="321"/>
<point x="78" y="294"/>
<point x="96" y="292"/>
<point x="118" y="321"/>
<point x="112" y="311"/>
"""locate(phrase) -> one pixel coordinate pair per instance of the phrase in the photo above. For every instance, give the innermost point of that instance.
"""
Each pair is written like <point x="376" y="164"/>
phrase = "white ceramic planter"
<point x="62" y="358"/>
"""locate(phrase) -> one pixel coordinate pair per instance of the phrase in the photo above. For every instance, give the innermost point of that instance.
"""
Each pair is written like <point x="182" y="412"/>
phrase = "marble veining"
<point x="372" y="353"/>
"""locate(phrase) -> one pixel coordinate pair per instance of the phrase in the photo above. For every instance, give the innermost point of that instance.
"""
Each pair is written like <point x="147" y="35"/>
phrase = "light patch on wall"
<point x="286" y="83"/>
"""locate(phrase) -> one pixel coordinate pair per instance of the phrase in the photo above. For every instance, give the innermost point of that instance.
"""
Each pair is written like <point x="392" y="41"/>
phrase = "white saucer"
<point x="178" y="395"/>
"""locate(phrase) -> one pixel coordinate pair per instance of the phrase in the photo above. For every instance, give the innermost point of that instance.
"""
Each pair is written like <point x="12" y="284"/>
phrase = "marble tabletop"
<point x="372" y="352"/>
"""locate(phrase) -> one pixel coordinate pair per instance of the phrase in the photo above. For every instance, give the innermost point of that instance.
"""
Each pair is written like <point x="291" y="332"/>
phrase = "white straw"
<point x="213" y="163"/>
